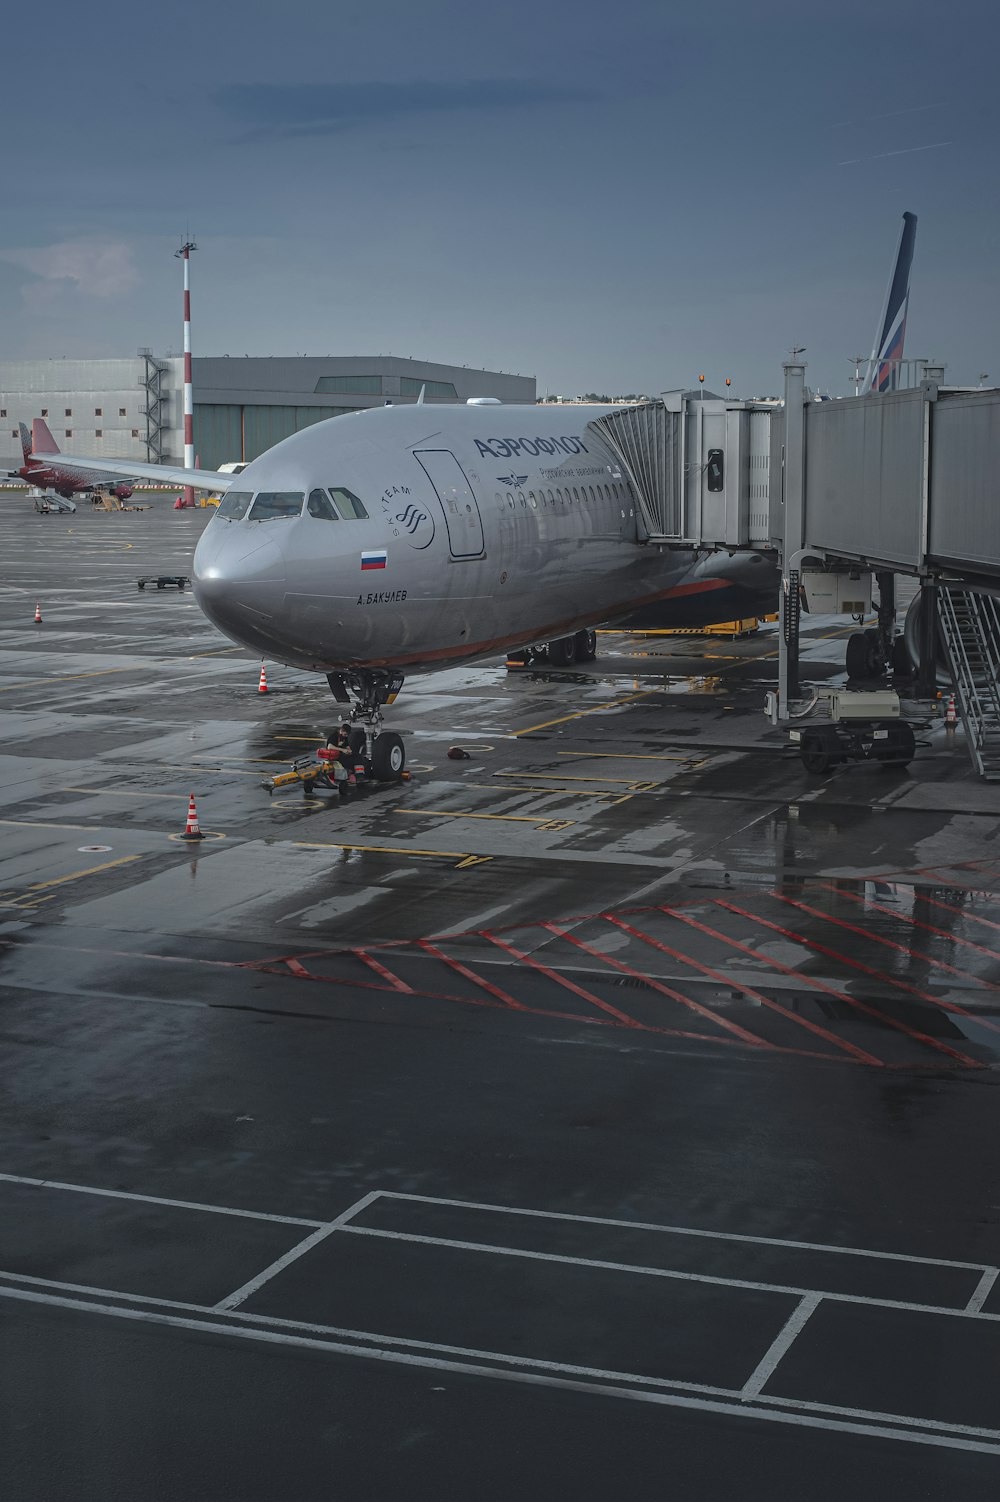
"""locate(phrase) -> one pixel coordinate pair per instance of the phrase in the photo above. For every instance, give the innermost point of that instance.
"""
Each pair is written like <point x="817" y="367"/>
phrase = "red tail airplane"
<point x="45" y="467"/>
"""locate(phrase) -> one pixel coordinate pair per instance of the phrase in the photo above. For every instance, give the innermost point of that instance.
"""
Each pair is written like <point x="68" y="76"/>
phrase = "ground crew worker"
<point x="340" y="766"/>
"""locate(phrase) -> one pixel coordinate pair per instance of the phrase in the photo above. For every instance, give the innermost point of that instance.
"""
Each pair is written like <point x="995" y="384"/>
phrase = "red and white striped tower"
<point x="185" y="255"/>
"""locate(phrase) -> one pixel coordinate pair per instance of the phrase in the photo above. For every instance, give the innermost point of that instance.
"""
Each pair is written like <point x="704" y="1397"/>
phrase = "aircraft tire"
<point x="864" y="657"/>
<point x="586" y="645"/>
<point x="388" y="756"/>
<point x="562" y="652"/>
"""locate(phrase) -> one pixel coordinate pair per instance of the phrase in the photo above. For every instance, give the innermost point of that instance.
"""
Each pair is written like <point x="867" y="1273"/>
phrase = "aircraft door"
<point x="458" y="501"/>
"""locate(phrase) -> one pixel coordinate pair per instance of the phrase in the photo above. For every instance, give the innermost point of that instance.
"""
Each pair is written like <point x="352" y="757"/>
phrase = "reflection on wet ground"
<point x="628" y="974"/>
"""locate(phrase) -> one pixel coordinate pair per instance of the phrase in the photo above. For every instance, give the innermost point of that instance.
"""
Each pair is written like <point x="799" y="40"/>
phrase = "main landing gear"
<point x="371" y="688"/>
<point x="560" y="653"/>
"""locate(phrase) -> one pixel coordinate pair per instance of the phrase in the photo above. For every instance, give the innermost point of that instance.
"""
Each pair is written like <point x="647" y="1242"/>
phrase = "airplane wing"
<point x="198" y="479"/>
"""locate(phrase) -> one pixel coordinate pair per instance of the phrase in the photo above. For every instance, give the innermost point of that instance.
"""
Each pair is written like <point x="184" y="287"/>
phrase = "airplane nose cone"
<point x="239" y="580"/>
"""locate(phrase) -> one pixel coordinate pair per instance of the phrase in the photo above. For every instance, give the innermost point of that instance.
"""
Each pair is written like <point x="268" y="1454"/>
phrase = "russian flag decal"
<point x="375" y="559"/>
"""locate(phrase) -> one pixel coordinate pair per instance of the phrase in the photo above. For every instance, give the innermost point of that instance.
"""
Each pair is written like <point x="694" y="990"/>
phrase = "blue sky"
<point x="607" y="197"/>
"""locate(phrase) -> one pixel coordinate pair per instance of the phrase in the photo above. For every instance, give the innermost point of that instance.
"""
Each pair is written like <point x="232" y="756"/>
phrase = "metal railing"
<point x="970" y="632"/>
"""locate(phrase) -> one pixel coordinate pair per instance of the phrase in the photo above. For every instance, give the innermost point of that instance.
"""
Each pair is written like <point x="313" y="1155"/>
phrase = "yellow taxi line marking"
<point x="122" y="793"/>
<point x="527" y="787"/>
<point x="627" y="781"/>
<point x="28" y="824"/>
<point x="58" y="881"/>
<point x="625" y="756"/>
<point x="256" y="761"/>
<point x="462" y="856"/>
<point x="187" y="766"/>
<point x="595" y="709"/>
<point x="444" y="813"/>
<point x="68" y="677"/>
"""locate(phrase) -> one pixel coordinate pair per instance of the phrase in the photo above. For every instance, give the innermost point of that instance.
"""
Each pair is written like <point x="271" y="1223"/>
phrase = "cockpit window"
<point x="270" y="505"/>
<point x="320" y="505"/>
<point x="234" y="505"/>
<point x="347" y="503"/>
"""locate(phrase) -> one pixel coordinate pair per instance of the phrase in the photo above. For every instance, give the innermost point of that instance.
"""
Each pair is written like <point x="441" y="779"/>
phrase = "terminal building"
<point x="133" y="408"/>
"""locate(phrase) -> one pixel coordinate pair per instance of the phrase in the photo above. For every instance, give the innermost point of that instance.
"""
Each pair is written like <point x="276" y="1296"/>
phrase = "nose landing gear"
<point x="371" y="688"/>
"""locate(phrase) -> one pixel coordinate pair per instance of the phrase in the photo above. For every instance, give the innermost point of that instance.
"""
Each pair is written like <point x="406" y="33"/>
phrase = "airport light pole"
<point x="793" y="535"/>
<point x="184" y="254"/>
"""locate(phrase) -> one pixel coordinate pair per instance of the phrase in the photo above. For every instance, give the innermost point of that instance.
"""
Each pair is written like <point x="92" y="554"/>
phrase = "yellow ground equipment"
<point x="113" y="503"/>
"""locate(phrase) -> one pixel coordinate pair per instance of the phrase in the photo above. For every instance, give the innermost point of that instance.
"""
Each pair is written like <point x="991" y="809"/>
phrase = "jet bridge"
<point x="902" y="483"/>
<point x="699" y="465"/>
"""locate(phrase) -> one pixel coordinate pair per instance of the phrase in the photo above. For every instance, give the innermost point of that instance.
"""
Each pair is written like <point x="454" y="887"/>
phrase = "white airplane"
<point x="408" y="538"/>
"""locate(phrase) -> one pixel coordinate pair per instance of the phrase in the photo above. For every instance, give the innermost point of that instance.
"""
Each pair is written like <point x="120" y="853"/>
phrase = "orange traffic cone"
<point x="950" y="717"/>
<point x="38" y="614"/>
<point x="262" y="685"/>
<point x="191" y="830"/>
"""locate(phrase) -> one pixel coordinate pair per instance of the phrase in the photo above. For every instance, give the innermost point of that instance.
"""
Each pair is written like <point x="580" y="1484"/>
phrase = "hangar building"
<point x="133" y="408"/>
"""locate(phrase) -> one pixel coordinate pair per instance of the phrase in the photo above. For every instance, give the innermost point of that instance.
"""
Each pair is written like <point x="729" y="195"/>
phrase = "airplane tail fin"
<point x="42" y="441"/>
<point x="887" y="352"/>
<point x="25" y="444"/>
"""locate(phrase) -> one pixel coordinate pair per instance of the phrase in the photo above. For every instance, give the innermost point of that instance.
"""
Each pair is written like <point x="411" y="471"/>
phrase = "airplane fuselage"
<point x="486" y="528"/>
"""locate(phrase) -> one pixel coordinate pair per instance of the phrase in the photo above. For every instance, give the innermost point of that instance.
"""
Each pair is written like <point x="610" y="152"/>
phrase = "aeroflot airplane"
<point x="404" y="539"/>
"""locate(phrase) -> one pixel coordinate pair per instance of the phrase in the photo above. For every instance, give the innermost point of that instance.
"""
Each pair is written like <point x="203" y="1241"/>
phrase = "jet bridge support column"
<point x="886" y="582"/>
<point x="927" y="665"/>
<point x="793" y="539"/>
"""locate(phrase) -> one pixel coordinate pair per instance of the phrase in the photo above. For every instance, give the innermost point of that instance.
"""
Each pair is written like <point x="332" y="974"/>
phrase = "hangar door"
<point x="461" y="511"/>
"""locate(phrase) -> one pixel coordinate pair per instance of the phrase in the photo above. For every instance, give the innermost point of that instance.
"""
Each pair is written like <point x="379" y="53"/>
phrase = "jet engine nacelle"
<point x="911" y="636"/>
<point x="122" y="492"/>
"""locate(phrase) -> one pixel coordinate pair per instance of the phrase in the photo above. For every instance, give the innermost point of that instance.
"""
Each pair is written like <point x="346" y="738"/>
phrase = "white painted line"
<point x="231" y="1300"/>
<point x="313" y="1327"/>
<point x="152" y="1199"/>
<point x="664" y="1272"/>
<point x="981" y="1441"/>
<point x="920" y="1420"/>
<point x="643" y="1225"/>
<point x="778" y="1347"/>
<point x="982" y="1291"/>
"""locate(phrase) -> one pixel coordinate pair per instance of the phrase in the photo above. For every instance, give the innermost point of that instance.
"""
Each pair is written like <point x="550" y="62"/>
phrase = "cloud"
<point x="902" y="151"/>
<point x="97" y="268"/>
<point x="324" y="109"/>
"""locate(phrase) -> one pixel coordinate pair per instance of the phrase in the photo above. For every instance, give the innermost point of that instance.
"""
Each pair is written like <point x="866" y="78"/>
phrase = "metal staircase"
<point x="969" y="624"/>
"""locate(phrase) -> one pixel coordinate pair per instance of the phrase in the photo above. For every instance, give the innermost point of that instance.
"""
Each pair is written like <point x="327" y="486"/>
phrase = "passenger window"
<point x="234" y="505"/>
<point x="320" y="506"/>
<point x="510" y="500"/>
<point x="576" y="494"/>
<point x="552" y="499"/>
<point x="276" y="505"/>
<point x="531" y="500"/>
<point x="520" y="496"/>
<point x="347" y="504"/>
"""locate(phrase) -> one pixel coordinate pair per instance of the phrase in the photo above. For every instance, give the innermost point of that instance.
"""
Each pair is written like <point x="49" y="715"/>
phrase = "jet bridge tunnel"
<point x="900" y="483"/>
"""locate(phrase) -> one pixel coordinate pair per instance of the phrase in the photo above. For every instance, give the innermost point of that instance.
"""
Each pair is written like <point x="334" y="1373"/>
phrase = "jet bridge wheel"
<point x="388" y="756"/>
<point x="901" y="746"/>
<point x="819" y="750"/>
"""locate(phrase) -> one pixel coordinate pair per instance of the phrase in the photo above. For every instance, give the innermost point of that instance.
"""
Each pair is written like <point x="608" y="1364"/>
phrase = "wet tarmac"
<point x="612" y="1111"/>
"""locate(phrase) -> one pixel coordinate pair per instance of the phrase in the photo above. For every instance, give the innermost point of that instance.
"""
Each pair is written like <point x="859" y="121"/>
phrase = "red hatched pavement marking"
<point x="381" y="970"/>
<point x="944" y="933"/>
<point x="859" y="1054"/>
<point x="808" y="982"/>
<point x="937" y="1001"/>
<point x="723" y="1022"/>
<point x="477" y="980"/>
<point x="562" y="980"/>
